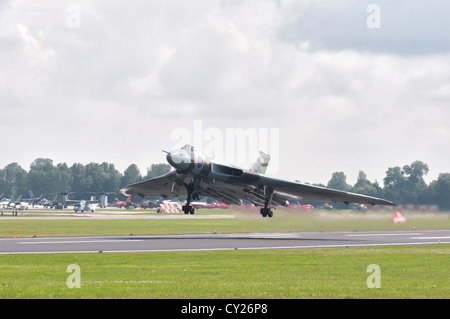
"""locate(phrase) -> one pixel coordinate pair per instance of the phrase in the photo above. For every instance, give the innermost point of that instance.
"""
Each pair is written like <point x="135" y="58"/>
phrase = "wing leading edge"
<point x="323" y="194"/>
<point x="164" y="186"/>
<point x="196" y="175"/>
<point x="248" y="186"/>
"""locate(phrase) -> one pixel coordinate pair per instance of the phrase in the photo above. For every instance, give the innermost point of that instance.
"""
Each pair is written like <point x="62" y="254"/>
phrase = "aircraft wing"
<point x="167" y="185"/>
<point x="317" y="193"/>
<point x="232" y="184"/>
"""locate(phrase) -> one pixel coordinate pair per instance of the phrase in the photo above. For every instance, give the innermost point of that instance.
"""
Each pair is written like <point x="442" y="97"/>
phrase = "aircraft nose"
<point x="179" y="159"/>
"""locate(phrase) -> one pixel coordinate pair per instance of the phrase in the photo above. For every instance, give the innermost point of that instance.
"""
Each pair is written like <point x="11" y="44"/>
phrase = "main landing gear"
<point x="268" y="194"/>
<point x="188" y="209"/>
<point x="266" y="212"/>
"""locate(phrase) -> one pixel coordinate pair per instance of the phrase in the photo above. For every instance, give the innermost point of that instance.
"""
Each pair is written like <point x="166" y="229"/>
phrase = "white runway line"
<point x="77" y="241"/>
<point x="392" y="234"/>
<point x="444" y="237"/>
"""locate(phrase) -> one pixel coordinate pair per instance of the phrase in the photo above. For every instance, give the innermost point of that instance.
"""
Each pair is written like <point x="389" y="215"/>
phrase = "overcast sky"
<point x="328" y="85"/>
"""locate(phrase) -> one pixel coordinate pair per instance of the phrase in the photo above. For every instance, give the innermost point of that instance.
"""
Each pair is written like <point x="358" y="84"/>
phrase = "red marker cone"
<point x="398" y="218"/>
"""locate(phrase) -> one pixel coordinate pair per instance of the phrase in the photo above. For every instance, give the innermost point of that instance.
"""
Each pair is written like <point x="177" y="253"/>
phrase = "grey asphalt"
<point x="198" y="242"/>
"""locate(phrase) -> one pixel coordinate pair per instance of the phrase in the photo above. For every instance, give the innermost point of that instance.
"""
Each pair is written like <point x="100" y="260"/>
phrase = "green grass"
<point x="249" y="221"/>
<point x="406" y="272"/>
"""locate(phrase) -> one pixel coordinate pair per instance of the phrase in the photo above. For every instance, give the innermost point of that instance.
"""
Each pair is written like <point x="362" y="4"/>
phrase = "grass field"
<point x="244" y="221"/>
<point x="406" y="271"/>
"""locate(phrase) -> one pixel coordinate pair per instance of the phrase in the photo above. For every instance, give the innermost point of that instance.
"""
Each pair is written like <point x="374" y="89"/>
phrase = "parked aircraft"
<point x="195" y="175"/>
<point x="80" y="204"/>
<point x="49" y="203"/>
<point x="33" y="199"/>
<point x="120" y="203"/>
<point x="86" y="205"/>
<point x="11" y="203"/>
<point x="102" y="199"/>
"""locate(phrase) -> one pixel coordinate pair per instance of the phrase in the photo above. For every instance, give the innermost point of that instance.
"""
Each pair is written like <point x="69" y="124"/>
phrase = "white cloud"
<point x="343" y="98"/>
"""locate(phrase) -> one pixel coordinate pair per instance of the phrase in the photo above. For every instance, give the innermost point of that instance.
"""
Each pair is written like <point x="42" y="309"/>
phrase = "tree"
<point x="41" y="177"/>
<point x="439" y="191"/>
<point x="113" y="177"/>
<point x="63" y="178"/>
<point x="80" y="183"/>
<point x="416" y="171"/>
<point x="415" y="185"/>
<point x="339" y="181"/>
<point x="44" y="164"/>
<point x="102" y="177"/>
<point x="13" y="180"/>
<point x="130" y="176"/>
<point x="394" y="184"/>
<point x="365" y="187"/>
<point x="362" y="180"/>
<point x="45" y="178"/>
<point x="157" y="170"/>
<point x="406" y="185"/>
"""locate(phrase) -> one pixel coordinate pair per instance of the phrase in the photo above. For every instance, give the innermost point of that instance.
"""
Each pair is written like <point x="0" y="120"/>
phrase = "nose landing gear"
<point x="191" y="194"/>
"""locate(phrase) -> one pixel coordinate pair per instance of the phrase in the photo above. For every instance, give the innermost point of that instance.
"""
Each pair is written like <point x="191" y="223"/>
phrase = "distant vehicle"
<point x="125" y="204"/>
<point x="297" y="204"/>
<point x="217" y="205"/>
<point x="102" y="197"/>
<point x="145" y="204"/>
<point x="84" y="205"/>
<point x="358" y="207"/>
<point x="209" y="203"/>
<point x="81" y="204"/>
<point x="199" y="204"/>
<point x="212" y="204"/>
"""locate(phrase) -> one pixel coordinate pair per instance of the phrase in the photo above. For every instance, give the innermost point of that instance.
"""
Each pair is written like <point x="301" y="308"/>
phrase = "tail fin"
<point x="261" y="163"/>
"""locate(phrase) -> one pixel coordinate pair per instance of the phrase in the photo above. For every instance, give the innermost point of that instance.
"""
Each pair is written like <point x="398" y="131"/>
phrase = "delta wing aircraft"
<point x="196" y="175"/>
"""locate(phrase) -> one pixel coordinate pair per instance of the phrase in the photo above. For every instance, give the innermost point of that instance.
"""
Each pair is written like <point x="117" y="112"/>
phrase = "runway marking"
<point x="444" y="237"/>
<point x="277" y="247"/>
<point x="77" y="241"/>
<point x="392" y="234"/>
<point x="227" y="248"/>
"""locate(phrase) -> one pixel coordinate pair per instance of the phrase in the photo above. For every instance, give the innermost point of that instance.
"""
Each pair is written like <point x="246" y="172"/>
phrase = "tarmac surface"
<point x="199" y="242"/>
<point x="113" y="214"/>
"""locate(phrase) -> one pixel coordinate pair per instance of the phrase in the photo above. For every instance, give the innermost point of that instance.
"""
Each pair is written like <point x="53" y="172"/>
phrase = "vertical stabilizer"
<point x="261" y="164"/>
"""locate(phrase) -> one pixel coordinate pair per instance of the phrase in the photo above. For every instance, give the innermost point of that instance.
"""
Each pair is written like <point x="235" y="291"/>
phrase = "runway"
<point x="199" y="242"/>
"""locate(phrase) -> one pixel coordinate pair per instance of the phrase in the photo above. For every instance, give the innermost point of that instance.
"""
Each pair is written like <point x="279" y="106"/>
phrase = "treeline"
<point x="45" y="178"/>
<point x="402" y="185"/>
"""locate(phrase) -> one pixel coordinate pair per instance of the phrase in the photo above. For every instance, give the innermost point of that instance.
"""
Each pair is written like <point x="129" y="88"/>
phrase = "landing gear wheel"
<point x="188" y="209"/>
<point x="266" y="212"/>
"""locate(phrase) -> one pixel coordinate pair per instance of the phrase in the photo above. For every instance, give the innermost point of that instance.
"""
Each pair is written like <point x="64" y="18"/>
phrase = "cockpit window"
<point x="188" y="147"/>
